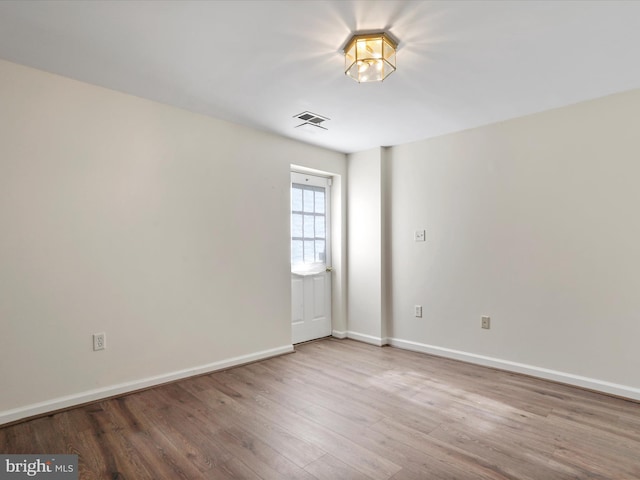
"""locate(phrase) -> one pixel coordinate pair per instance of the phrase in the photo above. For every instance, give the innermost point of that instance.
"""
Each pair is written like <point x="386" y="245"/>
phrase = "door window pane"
<point x="308" y="200"/>
<point x="296" y="252"/>
<point x="309" y="251"/>
<point x="320" y="254"/>
<point x="296" y="199"/>
<point x="319" y="220"/>
<point x="319" y="201"/>
<point x="308" y="224"/>
<point x="296" y="225"/>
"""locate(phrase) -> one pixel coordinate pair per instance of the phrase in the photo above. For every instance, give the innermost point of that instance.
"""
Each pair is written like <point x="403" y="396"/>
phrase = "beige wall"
<point x="534" y="222"/>
<point x="169" y="231"/>
<point x="165" y="229"/>
<point x="365" y="251"/>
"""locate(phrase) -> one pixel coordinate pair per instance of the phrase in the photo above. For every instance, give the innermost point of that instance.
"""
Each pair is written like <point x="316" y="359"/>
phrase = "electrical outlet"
<point x="99" y="341"/>
<point x="419" y="235"/>
<point x="486" y="322"/>
<point x="417" y="311"/>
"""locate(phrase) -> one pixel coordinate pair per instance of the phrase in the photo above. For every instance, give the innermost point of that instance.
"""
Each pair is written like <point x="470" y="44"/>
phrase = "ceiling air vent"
<point x="311" y="119"/>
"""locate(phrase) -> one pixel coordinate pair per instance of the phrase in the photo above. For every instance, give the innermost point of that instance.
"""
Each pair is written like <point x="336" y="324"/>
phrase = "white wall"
<point x="534" y="222"/>
<point x="339" y="279"/>
<point x="365" y="247"/>
<point x="169" y="231"/>
<point x="165" y="229"/>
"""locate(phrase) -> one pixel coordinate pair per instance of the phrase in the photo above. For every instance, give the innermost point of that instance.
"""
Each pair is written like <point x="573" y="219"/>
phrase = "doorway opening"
<point x="310" y="257"/>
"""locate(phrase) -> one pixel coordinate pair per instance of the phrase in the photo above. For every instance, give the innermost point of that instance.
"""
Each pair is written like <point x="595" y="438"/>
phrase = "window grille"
<point x="308" y="224"/>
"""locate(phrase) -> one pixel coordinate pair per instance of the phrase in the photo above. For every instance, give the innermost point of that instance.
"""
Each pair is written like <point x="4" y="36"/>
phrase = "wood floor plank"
<point x="524" y="464"/>
<point x="298" y="395"/>
<point x="329" y="467"/>
<point x="516" y="427"/>
<point x="343" y="409"/>
<point x="331" y="442"/>
<point x="119" y="457"/>
<point x="483" y="467"/>
<point x="148" y="442"/>
<point x="417" y="462"/>
<point x="597" y="451"/>
<point x="260" y="457"/>
<point x="184" y="437"/>
<point x="293" y="447"/>
<point x="234" y="469"/>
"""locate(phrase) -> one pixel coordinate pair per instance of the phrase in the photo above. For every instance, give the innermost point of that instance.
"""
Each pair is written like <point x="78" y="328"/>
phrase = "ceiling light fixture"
<point x="370" y="57"/>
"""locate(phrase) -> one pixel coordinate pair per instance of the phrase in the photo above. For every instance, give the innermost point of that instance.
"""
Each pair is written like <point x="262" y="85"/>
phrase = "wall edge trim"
<point x="602" y="386"/>
<point x="59" y="403"/>
<point x="362" y="337"/>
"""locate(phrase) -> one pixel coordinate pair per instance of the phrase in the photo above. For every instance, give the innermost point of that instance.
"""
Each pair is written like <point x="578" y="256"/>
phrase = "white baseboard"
<point x="338" y="334"/>
<point x="361" y="337"/>
<point x="119" y="389"/>
<point x="562" y="377"/>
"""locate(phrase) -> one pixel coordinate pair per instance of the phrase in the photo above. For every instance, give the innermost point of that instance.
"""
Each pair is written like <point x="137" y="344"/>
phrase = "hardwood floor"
<point x="339" y="409"/>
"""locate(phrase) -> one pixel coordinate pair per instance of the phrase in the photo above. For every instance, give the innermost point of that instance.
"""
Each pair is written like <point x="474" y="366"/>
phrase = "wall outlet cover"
<point x="99" y="341"/>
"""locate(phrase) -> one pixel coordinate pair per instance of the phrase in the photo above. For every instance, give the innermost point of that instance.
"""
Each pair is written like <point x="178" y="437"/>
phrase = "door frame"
<point x="338" y="241"/>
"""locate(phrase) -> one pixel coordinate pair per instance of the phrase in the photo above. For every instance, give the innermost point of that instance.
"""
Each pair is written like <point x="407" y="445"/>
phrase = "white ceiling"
<point x="461" y="63"/>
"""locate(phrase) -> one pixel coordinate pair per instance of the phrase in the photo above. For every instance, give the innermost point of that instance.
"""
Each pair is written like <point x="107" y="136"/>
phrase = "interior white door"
<point x="310" y="257"/>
